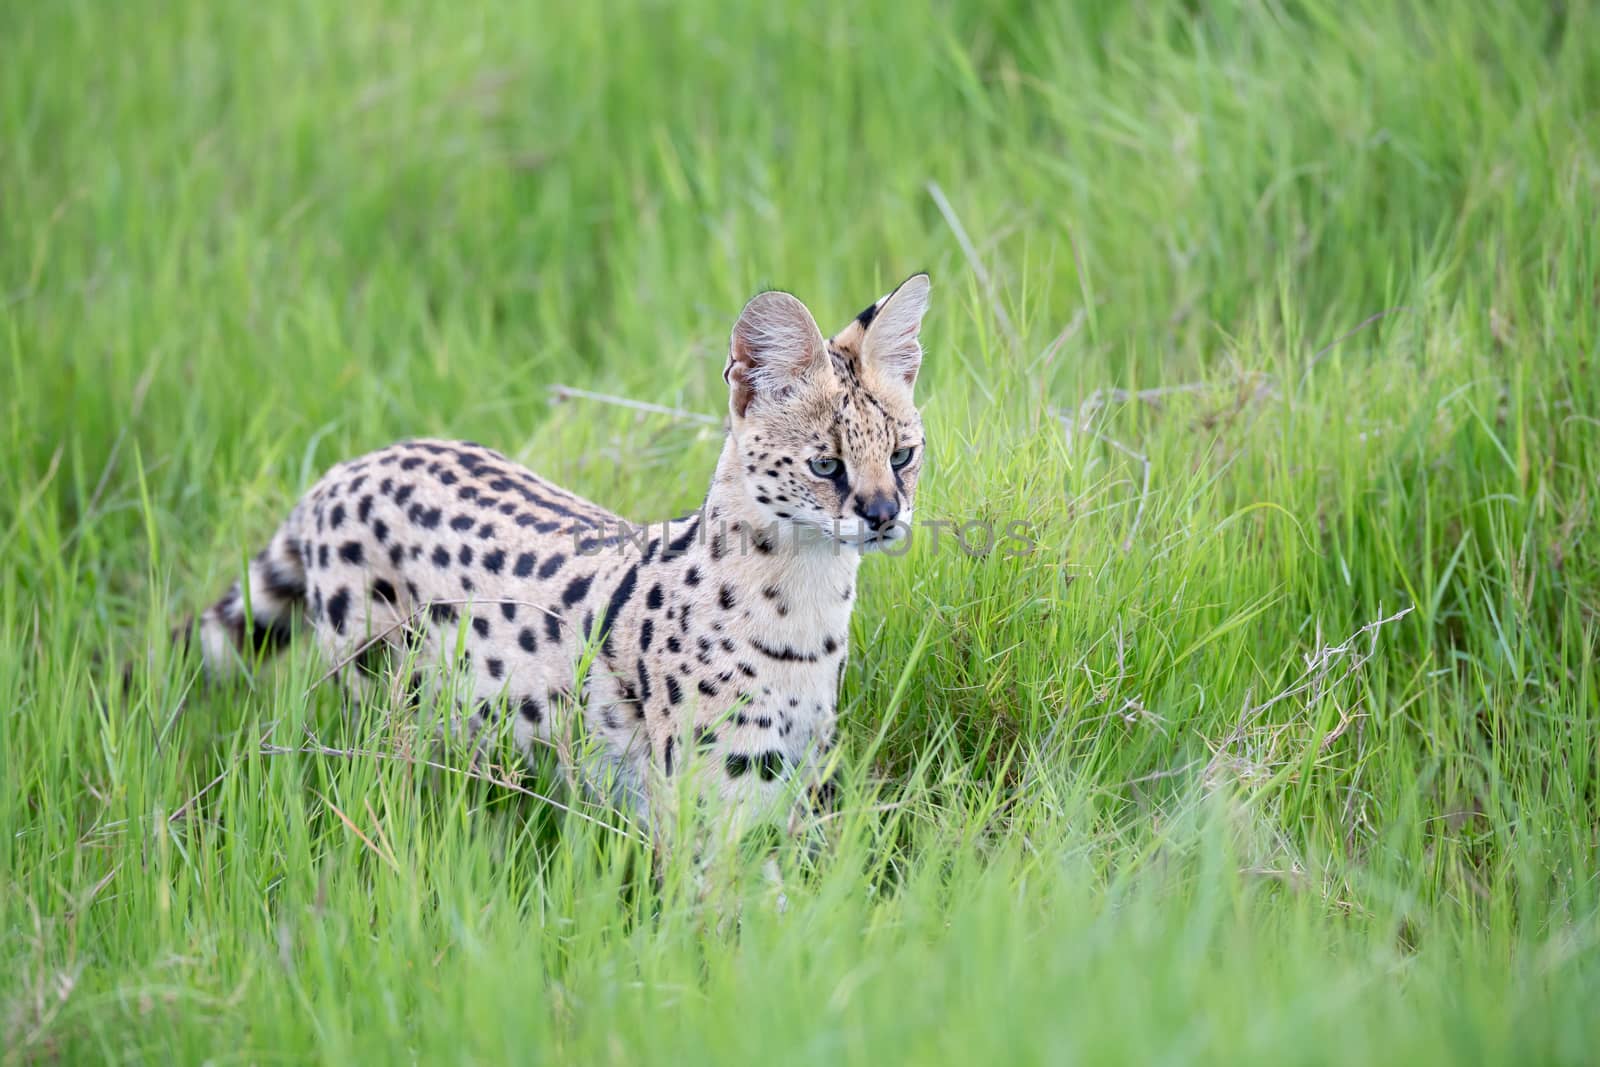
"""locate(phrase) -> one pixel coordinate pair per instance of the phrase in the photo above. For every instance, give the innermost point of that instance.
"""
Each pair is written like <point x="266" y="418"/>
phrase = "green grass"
<point x="1092" y="813"/>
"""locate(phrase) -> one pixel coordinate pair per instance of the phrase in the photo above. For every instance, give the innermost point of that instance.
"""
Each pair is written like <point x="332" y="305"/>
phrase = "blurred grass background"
<point x="1274" y="320"/>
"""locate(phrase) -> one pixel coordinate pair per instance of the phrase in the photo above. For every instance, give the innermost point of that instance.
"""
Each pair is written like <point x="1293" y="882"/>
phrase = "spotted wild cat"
<point x="716" y="640"/>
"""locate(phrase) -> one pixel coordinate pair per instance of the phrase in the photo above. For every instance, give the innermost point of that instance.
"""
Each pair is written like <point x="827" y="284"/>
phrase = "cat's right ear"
<point x="775" y="348"/>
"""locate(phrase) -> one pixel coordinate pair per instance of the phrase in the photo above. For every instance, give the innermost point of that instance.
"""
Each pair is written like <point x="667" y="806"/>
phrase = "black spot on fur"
<point x="529" y="709"/>
<point x="493" y="561"/>
<point x="338" y="608"/>
<point x="441" y="557"/>
<point x="283" y="583"/>
<point x="552" y="626"/>
<point x="524" y="565"/>
<point x="677" y="545"/>
<point x="464" y="557"/>
<point x="674" y="692"/>
<point x="619" y="600"/>
<point x="383" y="589"/>
<point x="350" y="552"/>
<point x="647" y="631"/>
<point x="576" y="589"/>
<point x="725" y="598"/>
<point x="552" y="565"/>
<point x="770" y="764"/>
<point x="652" y="599"/>
<point x="691" y="577"/>
<point x="380" y="530"/>
<point x="737" y="764"/>
<point x="786" y="653"/>
<point x="526" y="641"/>
<point x="336" y="517"/>
<point x="480" y="626"/>
<point x="496" y="668"/>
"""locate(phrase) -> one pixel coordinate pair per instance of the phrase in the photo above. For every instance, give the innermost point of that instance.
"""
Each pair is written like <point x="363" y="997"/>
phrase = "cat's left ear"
<point x="892" y="345"/>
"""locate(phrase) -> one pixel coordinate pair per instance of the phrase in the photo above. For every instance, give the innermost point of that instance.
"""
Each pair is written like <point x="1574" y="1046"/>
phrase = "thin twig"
<point x="187" y="804"/>
<point x="415" y="615"/>
<point x="1068" y="332"/>
<point x="1314" y="679"/>
<point x="1097" y="400"/>
<point x="1154" y="776"/>
<point x="567" y="392"/>
<point x="871" y="809"/>
<point x="1144" y="488"/>
<point x="503" y="783"/>
<point x="79" y="907"/>
<point x="968" y="250"/>
<point x="1362" y="325"/>
<point x="365" y="840"/>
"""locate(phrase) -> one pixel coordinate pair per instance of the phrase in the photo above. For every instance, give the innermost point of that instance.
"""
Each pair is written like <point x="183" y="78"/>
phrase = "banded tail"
<point x="235" y="628"/>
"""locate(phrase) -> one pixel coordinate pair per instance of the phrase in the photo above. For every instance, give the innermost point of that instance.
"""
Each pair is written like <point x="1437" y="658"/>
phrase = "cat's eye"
<point x="899" y="458"/>
<point x="824" y="466"/>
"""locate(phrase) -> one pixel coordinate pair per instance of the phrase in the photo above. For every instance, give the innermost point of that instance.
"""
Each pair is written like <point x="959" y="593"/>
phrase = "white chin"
<point x="853" y="533"/>
<point x="878" y="544"/>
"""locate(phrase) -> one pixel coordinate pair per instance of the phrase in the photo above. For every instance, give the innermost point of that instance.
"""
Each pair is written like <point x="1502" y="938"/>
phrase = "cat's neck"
<point x="800" y="582"/>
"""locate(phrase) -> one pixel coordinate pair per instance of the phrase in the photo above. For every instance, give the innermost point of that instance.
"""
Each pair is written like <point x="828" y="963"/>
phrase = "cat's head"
<point x="826" y="430"/>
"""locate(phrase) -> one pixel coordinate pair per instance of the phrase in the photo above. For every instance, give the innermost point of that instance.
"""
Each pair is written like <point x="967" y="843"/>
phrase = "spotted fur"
<point x="717" y="640"/>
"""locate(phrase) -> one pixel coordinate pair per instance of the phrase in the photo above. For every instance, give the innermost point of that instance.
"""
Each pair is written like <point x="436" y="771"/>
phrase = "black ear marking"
<point x="891" y="345"/>
<point x="866" y="317"/>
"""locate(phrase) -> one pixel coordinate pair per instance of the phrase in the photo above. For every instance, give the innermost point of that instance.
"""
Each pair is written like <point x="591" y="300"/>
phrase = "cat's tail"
<point x="254" y="616"/>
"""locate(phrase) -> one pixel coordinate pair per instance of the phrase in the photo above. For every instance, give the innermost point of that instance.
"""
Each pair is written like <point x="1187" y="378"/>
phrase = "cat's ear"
<point x="775" y="347"/>
<point x="891" y="345"/>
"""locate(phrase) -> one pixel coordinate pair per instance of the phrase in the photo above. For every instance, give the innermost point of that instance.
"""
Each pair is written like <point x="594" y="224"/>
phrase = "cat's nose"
<point x="877" y="511"/>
